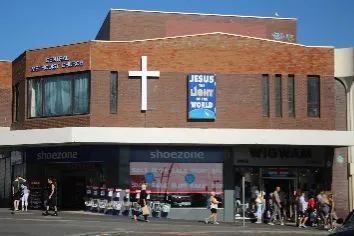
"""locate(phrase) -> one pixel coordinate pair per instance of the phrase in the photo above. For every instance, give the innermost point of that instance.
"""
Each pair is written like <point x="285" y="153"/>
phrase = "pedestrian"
<point x="17" y="191"/>
<point x="325" y="208"/>
<point x="276" y="207"/>
<point x="260" y="204"/>
<point x="51" y="201"/>
<point x="24" y="198"/>
<point x="145" y="211"/>
<point x="213" y="209"/>
<point x="302" y="210"/>
<point x="311" y="209"/>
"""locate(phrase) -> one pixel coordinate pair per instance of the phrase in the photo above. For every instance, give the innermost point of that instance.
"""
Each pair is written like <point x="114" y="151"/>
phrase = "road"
<point x="83" y="224"/>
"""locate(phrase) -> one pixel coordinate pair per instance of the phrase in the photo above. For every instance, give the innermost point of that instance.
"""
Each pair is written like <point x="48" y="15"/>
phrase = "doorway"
<point x="287" y="191"/>
<point x="72" y="179"/>
<point x="287" y="186"/>
<point x="72" y="189"/>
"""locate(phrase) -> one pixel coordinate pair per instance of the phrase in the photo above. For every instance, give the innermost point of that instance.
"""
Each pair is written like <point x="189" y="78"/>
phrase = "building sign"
<point x="177" y="169"/>
<point x="201" y="96"/>
<point x="177" y="155"/>
<point x="70" y="154"/>
<point x="279" y="156"/>
<point x="278" y="172"/>
<point x="56" y="62"/>
<point x="283" y="36"/>
<point x="177" y="177"/>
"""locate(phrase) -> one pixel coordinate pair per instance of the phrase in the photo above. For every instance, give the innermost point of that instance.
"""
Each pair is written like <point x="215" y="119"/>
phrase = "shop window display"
<point x="180" y="184"/>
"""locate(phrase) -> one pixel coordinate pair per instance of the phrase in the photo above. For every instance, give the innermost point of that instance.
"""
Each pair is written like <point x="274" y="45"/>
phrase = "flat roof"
<point x="205" y="14"/>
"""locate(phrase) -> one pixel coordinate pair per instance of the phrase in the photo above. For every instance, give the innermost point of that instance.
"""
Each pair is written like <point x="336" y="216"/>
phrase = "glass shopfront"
<point x="290" y="167"/>
<point x="74" y="168"/>
<point x="181" y="176"/>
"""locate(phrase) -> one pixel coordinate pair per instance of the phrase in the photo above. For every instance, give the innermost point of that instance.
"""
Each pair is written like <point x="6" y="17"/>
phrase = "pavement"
<point x="32" y="223"/>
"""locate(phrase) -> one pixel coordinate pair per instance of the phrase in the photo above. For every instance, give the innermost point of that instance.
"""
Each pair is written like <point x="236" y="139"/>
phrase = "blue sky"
<point x="29" y="24"/>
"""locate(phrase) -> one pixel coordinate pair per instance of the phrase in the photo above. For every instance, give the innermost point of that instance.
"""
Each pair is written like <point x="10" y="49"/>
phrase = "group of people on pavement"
<point x="311" y="208"/>
<point x="21" y="192"/>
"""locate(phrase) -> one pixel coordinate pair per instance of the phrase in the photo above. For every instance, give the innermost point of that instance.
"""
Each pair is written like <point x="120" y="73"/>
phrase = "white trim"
<point x="176" y="37"/>
<point x="4" y="129"/>
<point x="211" y="33"/>
<point x="176" y="136"/>
<point x="204" y="14"/>
<point x="5" y="61"/>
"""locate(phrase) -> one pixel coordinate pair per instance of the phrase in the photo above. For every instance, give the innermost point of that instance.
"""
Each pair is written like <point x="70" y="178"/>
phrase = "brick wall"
<point x="104" y="32"/>
<point x="132" y="25"/>
<point x="5" y="93"/>
<point x="19" y="79"/>
<point x="238" y="63"/>
<point x="339" y="170"/>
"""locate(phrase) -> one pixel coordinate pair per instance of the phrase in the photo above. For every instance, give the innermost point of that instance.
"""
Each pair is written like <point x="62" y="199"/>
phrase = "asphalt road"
<point x="81" y="224"/>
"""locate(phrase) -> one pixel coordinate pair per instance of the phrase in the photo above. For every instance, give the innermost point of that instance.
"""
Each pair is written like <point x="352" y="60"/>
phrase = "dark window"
<point x="113" y="92"/>
<point x="291" y="96"/>
<point x="313" y="96"/>
<point x="58" y="95"/>
<point x="265" y="94"/>
<point x="17" y="101"/>
<point x="278" y="97"/>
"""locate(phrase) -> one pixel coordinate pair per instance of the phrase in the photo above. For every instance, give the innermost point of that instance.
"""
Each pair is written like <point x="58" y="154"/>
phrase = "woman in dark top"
<point x="143" y="203"/>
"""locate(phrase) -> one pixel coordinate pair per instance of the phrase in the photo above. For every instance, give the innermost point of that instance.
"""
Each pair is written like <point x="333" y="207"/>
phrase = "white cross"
<point x="144" y="74"/>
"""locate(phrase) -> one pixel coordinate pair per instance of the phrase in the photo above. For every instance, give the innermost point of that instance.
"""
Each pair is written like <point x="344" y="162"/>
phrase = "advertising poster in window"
<point x="177" y="177"/>
<point x="201" y="96"/>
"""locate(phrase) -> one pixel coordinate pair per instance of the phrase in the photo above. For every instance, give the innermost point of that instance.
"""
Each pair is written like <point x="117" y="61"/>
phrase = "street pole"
<point x="243" y="201"/>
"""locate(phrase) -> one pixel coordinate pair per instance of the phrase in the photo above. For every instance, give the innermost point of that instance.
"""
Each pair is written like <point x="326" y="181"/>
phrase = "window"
<point x="16" y="103"/>
<point x="278" y="97"/>
<point x="58" y="95"/>
<point x="113" y="92"/>
<point x="265" y="94"/>
<point x="291" y="96"/>
<point x="313" y="96"/>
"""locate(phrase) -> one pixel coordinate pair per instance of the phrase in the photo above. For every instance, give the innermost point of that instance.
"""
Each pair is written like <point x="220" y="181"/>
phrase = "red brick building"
<point x="272" y="114"/>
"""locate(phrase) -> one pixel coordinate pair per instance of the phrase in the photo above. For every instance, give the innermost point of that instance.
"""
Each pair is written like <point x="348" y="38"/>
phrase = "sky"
<point x="27" y="24"/>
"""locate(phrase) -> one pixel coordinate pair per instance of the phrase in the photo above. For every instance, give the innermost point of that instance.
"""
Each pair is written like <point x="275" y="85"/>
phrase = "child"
<point x="24" y="198"/>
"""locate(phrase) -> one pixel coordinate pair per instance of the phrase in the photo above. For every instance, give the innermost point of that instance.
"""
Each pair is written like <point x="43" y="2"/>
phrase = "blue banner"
<point x="201" y="96"/>
<point x="177" y="154"/>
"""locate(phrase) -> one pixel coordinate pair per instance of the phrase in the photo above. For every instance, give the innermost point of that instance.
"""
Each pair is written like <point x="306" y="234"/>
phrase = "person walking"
<point x="260" y="203"/>
<point x="302" y="210"/>
<point x="276" y="207"/>
<point x="145" y="211"/>
<point x="17" y="191"/>
<point x="51" y="201"/>
<point x="24" y="198"/>
<point x="213" y="209"/>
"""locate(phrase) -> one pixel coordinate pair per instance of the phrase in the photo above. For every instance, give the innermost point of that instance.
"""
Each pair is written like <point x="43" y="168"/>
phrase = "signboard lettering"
<point x="282" y="153"/>
<point x="177" y="155"/>
<point x="58" y="61"/>
<point x="279" y="156"/>
<point x="201" y="96"/>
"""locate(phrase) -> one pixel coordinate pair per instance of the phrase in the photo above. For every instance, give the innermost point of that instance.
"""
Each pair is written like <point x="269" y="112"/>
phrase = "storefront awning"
<point x="175" y="136"/>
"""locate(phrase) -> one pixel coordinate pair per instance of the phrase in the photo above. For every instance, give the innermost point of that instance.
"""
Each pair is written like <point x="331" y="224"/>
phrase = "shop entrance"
<point x="287" y="186"/>
<point x="287" y="190"/>
<point x="72" y="179"/>
<point x="72" y="192"/>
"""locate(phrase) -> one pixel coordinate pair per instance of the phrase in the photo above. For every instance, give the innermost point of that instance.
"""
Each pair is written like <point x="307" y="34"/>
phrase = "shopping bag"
<point x="146" y="210"/>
